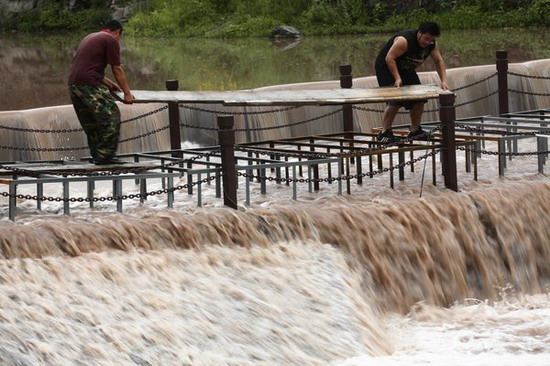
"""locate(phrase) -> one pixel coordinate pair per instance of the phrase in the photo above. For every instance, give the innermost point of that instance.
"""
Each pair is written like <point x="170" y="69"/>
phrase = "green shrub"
<point x="539" y="12"/>
<point x="241" y="18"/>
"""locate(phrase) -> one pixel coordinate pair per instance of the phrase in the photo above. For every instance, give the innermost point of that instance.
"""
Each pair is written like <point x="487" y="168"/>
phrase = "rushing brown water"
<point x="302" y="284"/>
<point x="440" y="249"/>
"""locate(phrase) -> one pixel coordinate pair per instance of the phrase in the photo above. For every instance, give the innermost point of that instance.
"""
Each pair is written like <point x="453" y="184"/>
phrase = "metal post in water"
<point x="502" y="72"/>
<point x="226" y="140"/>
<point x="174" y="118"/>
<point x="346" y="82"/>
<point x="447" y="115"/>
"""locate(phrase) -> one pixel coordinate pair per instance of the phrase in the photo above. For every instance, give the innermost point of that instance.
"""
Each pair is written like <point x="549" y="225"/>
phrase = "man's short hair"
<point x="430" y="27"/>
<point x="113" y="25"/>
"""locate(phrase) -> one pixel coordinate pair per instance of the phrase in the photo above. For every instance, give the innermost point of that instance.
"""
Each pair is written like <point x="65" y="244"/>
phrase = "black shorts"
<point x="385" y="78"/>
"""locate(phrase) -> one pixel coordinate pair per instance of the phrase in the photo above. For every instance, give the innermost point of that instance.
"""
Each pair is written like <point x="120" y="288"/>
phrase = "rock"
<point x="285" y="31"/>
<point x="121" y="13"/>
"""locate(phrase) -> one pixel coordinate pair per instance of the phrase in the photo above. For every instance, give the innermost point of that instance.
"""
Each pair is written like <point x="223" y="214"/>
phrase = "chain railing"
<point x="529" y="93"/>
<point x="69" y="130"/>
<point x="453" y="90"/>
<point x="109" y="198"/>
<point x="318" y="155"/>
<point x="213" y="177"/>
<point x="500" y="132"/>
<point x="84" y="173"/>
<point x="475" y="82"/>
<point x="77" y="148"/>
<point x="341" y="178"/>
<point x="292" y="124"/>
<point x="497" y="153"/>
<point x="145" y="134"/>
<point x="72" y="172"/>
<point x="42" y="149"/>
<point x="513" y="73"/>
<point x="435" y="109"/>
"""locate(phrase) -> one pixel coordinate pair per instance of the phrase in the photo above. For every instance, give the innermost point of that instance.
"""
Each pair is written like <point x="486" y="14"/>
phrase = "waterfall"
<point x="63" y="117"/>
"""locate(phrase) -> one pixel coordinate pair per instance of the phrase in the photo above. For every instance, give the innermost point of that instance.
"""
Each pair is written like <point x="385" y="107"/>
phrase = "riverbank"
<point x="239" y="18"/>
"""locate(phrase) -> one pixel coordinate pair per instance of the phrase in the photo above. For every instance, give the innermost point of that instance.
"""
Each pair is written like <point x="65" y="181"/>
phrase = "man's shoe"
<point x="419" y="134"/>
<point x="387" y="137"/>
<point x="110" y="161"/>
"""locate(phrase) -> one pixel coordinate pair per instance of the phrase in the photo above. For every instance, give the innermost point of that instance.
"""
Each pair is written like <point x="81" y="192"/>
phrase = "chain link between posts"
<point x="68" y="130"/>
<point x="453" y="90"/>
<point x="292" y="124"/>
<point x="82" y="173"/>
<point x="529" y="93"/>
<point x="355" y="153"/>
<point x="500" y="132"/>
<point x="110" y="198"/>
<point x="528" y="76"/>
<point x="496" y="153"/>
<point x="341" y="178"/>
<point x="59" y="149"/>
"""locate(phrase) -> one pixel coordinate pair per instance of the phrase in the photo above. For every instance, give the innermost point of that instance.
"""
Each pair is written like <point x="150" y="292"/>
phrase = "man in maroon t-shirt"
<point x="90" y="91"/>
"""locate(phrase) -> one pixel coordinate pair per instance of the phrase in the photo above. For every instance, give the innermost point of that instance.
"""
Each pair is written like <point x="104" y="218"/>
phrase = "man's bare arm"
<point x="398" y="48"/>
<point x="120" y="77"/>
<point x="110" y="84"/>
<point x="440" y="67"/>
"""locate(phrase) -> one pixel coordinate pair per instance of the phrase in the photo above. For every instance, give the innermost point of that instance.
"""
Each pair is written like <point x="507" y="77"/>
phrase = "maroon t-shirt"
<point x="95" y="52"/>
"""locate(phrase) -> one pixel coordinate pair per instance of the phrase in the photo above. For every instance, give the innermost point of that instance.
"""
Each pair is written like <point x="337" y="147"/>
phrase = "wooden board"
<point x="290" y="97"/>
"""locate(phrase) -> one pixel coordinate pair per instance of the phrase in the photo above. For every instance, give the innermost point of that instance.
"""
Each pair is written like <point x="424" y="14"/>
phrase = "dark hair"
<point x="113" y="25"/>
<point x="430" y="27"/>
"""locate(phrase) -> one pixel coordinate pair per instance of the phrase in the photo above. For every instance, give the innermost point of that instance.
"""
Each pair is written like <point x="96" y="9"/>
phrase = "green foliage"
<point x="539" y="12"/>
<point x="56" y="16"/>
<point x="242" y="18"/>
<point x="237" y="18"/>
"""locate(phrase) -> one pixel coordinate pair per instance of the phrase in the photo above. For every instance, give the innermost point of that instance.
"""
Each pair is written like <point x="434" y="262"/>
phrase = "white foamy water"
<point x="510" y="332"/>
<point x="285" y="304"/>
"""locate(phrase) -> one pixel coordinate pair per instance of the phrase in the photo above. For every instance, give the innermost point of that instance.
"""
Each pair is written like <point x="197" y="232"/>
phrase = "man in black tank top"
<point x="396" y="65"/>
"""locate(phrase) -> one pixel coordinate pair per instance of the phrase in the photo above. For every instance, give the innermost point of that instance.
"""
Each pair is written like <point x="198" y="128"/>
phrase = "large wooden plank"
<point x="289" y="97"/>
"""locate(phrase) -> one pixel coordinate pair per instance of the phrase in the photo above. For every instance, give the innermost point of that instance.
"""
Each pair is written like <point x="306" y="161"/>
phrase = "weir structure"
<point x="339" y="152"/>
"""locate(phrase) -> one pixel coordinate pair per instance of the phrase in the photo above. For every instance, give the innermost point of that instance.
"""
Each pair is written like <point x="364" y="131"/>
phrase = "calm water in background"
<point x="33" y="68"/>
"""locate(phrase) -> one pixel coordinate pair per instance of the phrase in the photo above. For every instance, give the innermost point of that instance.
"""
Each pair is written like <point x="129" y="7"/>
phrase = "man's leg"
<point x="107" y="116"/>
<point x="387" y="135"/>
<point x="416" y="115"/>
<point x="80" y="97"/>
<point x="389" y="115"/>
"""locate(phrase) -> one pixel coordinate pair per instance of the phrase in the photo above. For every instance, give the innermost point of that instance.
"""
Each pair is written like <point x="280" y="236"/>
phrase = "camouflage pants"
<point x="99" y="116"/>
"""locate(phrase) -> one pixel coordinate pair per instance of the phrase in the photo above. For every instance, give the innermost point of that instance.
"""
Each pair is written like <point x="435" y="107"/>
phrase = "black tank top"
<point x="410" y="60"/>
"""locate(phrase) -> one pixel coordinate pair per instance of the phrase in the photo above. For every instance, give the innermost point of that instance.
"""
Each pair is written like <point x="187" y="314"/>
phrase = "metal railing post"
<point x="447" y="115"/>
<point x="502" y="72"/>
<point x="226" y="140"/>
<point x="346" y="82"/>
<point x="174" y="118"/>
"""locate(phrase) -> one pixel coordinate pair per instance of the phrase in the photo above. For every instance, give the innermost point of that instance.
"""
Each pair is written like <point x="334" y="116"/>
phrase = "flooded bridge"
<point x="335" y="158"/>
